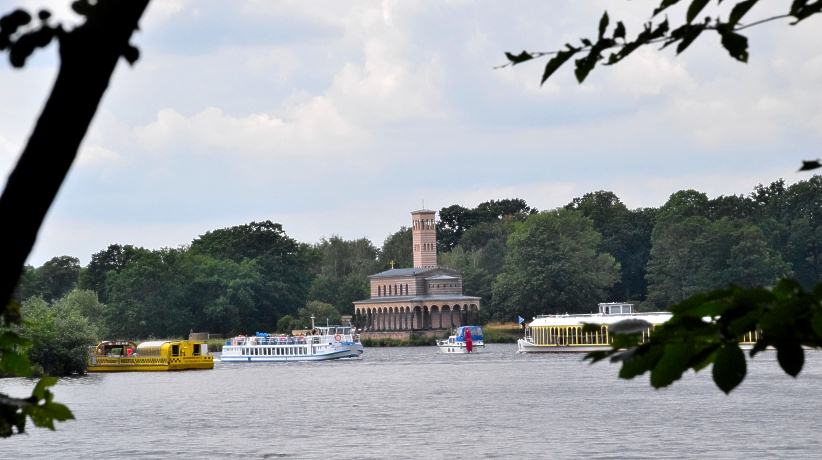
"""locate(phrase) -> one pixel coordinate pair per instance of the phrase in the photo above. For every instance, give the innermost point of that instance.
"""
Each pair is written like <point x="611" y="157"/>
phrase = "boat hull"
<point x="457" y="348"/>
<point x="101" y="364"/>
<point x="523" y="346"/>
<point x="345" y="351"/>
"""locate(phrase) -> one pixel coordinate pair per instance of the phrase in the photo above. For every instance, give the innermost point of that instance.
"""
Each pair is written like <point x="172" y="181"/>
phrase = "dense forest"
<point x="520" y="261"/>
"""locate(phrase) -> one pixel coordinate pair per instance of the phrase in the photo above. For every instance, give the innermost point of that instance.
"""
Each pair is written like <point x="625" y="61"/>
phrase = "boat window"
<point x="196" y="349"/>
<point x="175" y="350"/>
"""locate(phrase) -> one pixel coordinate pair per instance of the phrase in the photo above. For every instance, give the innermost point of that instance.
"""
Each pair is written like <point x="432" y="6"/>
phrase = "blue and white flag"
<point x="520" y="319"/>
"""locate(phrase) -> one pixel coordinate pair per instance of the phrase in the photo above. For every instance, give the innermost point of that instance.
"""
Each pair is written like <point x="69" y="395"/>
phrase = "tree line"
<point x="254" y="277"/>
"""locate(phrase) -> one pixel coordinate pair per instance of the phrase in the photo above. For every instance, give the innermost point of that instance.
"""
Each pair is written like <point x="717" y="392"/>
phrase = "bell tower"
<point x="424" y="236"/>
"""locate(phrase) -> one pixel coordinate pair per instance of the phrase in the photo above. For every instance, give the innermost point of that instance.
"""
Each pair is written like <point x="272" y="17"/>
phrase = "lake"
<point x="415" y="403"/>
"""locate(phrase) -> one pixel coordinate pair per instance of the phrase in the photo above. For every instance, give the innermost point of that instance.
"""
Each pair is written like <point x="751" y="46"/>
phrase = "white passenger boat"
<point x="321" y="343"/>
<point x="466" y="339"/>
<point x="563" y="333"/>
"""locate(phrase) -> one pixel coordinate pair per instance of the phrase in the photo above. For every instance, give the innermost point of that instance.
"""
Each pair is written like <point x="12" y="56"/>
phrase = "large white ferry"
<point x="563" y="333"/>
<point x="320" y="343"/>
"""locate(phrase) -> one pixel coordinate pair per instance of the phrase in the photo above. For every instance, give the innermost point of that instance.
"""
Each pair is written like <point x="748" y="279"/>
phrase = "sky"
<point x="341" y="117"/>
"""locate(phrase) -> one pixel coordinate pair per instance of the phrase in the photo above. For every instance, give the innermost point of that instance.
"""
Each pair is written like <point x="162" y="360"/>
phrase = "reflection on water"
<point x="416" y="403"/>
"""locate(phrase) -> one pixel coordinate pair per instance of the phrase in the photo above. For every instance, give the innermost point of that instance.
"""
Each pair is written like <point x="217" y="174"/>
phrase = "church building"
<point x="424" y="297"/>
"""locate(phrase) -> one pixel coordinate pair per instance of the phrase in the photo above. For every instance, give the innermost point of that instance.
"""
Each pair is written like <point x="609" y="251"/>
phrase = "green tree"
<point x="59" y="335"/>
<point x="554" y="266"/>
<point x="343" y="269"/>
<point x="322" y="312"/>
<point x="283" y="264"/>
<point x="58" y="276"/>
<point x="397" y="248"/>
<point x="112" y="259"/>
<point x="626" y="235"/>
<point x="455" y="220"/>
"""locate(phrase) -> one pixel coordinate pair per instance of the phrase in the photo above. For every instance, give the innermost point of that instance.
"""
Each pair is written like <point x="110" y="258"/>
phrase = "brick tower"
<point x="424" y="236"/>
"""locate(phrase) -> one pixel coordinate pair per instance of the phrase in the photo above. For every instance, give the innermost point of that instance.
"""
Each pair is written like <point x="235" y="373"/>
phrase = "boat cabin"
<point x="616" y="308"/>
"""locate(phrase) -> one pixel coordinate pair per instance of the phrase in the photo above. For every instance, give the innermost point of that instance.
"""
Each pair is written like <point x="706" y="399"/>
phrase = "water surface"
<point x="416" y="403"/>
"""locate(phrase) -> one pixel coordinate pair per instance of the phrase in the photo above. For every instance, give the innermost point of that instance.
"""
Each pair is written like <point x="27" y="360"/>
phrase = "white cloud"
<point x="310" y="127"/>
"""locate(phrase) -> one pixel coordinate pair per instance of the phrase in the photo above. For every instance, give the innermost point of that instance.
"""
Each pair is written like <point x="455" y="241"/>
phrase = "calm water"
<point x="415" y="403"/>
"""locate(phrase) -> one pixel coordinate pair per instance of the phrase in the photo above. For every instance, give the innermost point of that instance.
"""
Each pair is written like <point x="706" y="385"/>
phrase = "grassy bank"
<point x="502" y="332"/>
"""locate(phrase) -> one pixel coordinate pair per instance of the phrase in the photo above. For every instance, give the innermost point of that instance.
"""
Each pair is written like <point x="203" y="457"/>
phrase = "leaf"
<point x="619" y="32"/>
<point x="689" y="35"/>
<point x="603" y="25"/>
<point x="736" y="44"/>
<point x="664" y="5"/>
<point x="671" y="365"/>
<point x="816" y="325"/>
<point x="638" y="361"/>
<point x="81" y="7"/>
<point x="810" y="165"/>
<point x="39" y="391"/>
<point x="739" y="10"/>
<point x="131" y="54"/>
<point x="801" y="10"/>
<point x="729" y="367"/>
<point x="58" y="411"/>
<point x="695" y="8"/>
<point x="519" y="58"/>
<point x="556" y="62"/>
<point x="791" y="357"/>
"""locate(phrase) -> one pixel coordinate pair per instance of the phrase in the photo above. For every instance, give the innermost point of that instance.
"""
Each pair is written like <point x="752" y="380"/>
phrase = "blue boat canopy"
<point x="476" y="333"/>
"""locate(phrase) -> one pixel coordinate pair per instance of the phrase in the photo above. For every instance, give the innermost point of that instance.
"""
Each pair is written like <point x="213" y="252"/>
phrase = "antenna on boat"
<point x="312" y="322"/>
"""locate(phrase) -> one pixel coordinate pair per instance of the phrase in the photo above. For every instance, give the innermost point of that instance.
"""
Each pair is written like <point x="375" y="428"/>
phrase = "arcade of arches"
<point x="416" y="317"/>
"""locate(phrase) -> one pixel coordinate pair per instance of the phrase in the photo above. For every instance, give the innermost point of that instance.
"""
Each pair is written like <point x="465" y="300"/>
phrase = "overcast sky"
<point x="339" y="118"/>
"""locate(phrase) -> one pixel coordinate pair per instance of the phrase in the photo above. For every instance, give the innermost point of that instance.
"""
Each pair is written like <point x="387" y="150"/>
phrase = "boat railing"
<point x="600" y="315"/>
<point x="275" y="340"/>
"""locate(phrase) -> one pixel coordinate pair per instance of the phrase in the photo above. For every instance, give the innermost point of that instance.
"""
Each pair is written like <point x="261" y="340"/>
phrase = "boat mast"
<point x="312" y="322"/>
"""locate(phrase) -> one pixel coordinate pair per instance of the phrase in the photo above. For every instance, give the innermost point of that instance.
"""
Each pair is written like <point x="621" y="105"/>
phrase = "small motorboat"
<point x="466" y="339"/>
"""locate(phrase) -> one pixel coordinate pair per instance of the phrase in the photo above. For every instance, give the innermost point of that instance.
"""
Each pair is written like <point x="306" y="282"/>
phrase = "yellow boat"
<point x="166" y="355"/>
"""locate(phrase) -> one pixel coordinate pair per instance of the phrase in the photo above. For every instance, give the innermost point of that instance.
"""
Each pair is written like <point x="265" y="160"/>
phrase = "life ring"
<point x="338" y="338"/>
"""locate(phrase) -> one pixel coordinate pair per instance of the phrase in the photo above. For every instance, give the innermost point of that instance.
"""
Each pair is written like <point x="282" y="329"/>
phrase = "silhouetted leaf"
<point x="810" y="165"/>
<point x="518" y="58"/>
<point x="665" y="4"/>
<point x="690" y="32"/>
<point x="736" y="44"/>
<point x="82" y="7"/>
<point x="694" y="9"/>
<point x="739" y="10"/>
<point x="729" y="367"/>
<point x="603" y="25"/>
<point x="556" y="62"/>
<point x="801" y="10"/>
<point x="131" y="53"/>
<point x="43" y="15"/>
<point x="816" y="324"/>
<point x="619" y="32"/>
<point x="791" y="357"/>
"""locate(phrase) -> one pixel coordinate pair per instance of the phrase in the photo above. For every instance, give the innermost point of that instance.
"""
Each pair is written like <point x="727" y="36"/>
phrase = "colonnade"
<point x="413" y="318"/>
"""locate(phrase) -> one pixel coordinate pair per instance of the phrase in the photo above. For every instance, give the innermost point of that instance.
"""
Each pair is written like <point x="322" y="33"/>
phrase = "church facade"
<point x="424" y="297"/>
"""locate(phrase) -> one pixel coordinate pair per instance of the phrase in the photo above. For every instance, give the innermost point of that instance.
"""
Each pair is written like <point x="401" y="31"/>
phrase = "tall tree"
<point x="625" y="234"/>
<point x="58" y="276"/>
<point x="554" y="266"/>
<point x="397" y="248"/>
